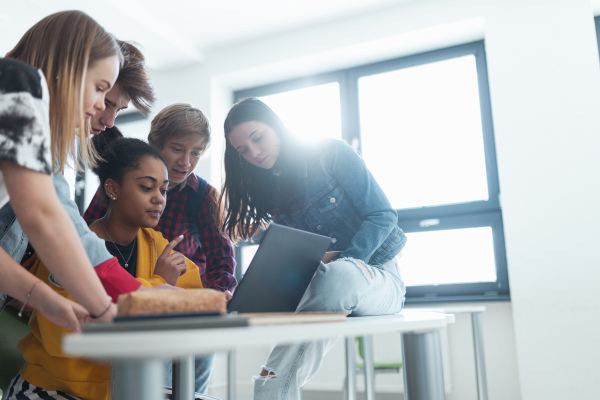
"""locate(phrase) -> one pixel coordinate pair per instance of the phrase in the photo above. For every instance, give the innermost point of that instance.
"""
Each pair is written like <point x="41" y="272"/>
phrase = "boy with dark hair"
<point x="133" y="85"/>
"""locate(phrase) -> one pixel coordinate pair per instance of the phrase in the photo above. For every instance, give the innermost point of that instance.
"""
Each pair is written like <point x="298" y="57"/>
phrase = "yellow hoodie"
<point x="48" y="367"/>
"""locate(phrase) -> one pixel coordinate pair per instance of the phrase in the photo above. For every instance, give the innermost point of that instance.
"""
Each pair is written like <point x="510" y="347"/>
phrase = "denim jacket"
<point x="338" y="197"/>
<point x="14" y="241"/>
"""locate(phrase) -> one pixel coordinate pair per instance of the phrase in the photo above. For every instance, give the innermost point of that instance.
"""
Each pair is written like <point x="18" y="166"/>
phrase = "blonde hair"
<point x="64" y="45"/>
<point x="178" y="119"/>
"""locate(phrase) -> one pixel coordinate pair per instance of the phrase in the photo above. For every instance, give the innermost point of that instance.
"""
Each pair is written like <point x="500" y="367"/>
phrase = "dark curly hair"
<point x="119" y="156"/>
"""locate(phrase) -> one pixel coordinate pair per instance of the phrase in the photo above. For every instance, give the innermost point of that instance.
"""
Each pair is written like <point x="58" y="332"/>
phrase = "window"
<point x="423" y="126"/>
<point x="597" y="20"/>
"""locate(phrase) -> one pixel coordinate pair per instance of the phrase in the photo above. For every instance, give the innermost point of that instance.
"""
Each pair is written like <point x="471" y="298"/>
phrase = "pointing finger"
<point x="172" y="245"/>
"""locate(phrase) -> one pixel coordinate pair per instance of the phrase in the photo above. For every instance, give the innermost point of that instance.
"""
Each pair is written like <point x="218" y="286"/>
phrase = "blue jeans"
<point x="203" y="368"/>
<point x="340" y="286"/>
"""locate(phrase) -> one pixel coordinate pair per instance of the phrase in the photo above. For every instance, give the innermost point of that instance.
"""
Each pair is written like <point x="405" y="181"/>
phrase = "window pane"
<point x="421" y="133"/>
<point x="248" y="252"/>
<point x="311" y="113"/>
<point x="449" y="256"/>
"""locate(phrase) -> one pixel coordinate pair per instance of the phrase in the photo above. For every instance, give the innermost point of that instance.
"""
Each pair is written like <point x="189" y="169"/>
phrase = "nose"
<point x="108" y="118"/>
<point x="184" y="160"/>
<point x="158" y="197"/>
<point x="255" y="152"/>
<point x="100" y="103"/>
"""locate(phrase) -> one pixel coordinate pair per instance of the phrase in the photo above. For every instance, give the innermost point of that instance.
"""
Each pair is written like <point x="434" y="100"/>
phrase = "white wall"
<point x="545" y="92"/>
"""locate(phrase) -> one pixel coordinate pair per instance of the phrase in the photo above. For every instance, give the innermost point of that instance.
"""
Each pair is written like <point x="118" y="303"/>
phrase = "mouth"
<point x="155" y="213"/>
<point x="96" y="132"/>
<point x="261" y="160"/>
<point x="179" y="173"/>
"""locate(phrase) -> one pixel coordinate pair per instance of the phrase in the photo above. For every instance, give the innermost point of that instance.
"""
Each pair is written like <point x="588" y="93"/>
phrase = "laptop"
<point x="280" y="271"/>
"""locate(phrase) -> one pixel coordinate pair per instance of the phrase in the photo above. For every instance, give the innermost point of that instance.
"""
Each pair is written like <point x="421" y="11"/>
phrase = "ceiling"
<point x="175" y="33"/>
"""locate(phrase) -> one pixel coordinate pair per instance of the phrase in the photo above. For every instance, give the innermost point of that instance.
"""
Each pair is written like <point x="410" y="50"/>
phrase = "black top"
<point x="125" y="255"/>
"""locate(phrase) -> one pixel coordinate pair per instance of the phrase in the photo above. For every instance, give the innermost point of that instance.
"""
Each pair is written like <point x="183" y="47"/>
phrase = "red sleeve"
<point x="115" y="279"/>
<point x="96" y="209"/>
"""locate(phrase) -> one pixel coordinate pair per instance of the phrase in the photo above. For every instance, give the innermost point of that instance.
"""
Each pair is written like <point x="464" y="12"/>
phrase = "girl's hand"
<point x="171" y="266"/>
<point x="228" y="296"/>
<point x="57" y="309"/>
<point x="330" y="256"/>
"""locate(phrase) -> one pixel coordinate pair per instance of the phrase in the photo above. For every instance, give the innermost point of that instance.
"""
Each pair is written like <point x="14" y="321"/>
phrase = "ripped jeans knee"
<point x="265" y="375"/>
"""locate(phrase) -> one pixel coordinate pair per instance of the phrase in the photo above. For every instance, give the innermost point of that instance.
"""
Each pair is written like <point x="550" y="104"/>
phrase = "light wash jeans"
<point x="340" y="286"/>
<point x="203" y="367"/>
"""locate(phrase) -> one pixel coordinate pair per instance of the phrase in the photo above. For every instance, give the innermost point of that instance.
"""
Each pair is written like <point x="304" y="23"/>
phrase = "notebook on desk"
<point x="167" y="322"/>
<point x="280" y="271"/>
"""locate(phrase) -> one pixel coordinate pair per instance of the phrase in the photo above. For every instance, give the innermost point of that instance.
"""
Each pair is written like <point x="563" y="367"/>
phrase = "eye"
<point x="196" y="154"/>
<point x="175" y="149"/>
<point x="243" y="151"/>
<point x="258" y="138"/>
<point x="146" y="188"/>
<point x="163" y="192"/>
<point x="99" y="89"/>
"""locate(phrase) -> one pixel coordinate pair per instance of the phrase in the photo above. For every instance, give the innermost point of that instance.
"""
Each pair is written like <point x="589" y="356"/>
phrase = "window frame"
<point x="597" y="23"/>
<point x="450" y="216"/>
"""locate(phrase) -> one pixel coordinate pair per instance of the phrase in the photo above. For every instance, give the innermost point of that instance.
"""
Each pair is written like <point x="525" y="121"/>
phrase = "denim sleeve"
<point x="94" y="246"/>
<point x="378" y="216"/>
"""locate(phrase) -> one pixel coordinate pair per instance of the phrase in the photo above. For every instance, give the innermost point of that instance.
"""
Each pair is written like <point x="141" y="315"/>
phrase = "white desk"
<point x="138" y="357"/>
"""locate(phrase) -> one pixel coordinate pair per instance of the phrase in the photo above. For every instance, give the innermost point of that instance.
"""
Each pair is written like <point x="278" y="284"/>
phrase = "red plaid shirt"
<point x="213" y="255"/>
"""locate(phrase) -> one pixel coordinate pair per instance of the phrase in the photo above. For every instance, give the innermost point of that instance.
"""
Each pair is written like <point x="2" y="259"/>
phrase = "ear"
<point x="111" y="188"/>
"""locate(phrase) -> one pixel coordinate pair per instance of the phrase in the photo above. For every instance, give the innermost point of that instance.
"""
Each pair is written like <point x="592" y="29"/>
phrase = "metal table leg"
<point x="183" y="378"/>
<point x="231" y="375"/>
<point x="423" y="372"/>
<point x="139" y="380"/>
<point x="479" y="357"/>
<point x="350" y="368"/>
<point x="369" y="367"/>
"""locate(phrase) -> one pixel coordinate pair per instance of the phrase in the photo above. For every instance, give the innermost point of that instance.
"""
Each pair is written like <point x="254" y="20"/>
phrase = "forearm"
<point x="220" y="275"/>
<point x="65" y="257"/>
<point x="52" y="233"/>
<point x="94" y="246"/>
<point x="15" y="280"/>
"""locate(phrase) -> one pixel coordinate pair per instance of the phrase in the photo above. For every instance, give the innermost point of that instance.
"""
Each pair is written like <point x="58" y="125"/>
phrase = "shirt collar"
<point x="191" y="181"/>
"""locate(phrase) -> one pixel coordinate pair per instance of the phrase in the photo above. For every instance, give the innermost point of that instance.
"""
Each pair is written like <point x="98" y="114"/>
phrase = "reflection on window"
<point x="449" y="256"/>
<point x="310" y="113"/>
<point x="421" y="133"/>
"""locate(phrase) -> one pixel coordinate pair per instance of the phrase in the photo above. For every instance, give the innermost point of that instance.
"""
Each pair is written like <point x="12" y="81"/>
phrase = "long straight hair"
<point x="64" y="45"/>
<point x="249" y="191"/>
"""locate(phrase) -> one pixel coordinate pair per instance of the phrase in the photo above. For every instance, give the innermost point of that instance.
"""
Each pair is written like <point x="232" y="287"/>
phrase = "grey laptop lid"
<point x="280" y="271"/>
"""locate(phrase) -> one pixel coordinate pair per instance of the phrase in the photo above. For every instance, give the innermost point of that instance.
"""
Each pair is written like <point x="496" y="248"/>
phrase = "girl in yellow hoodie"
<point x="134" y="179"/>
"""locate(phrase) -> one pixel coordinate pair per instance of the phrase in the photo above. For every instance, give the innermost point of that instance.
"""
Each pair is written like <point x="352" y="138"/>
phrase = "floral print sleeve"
<point x="24" y="116"/>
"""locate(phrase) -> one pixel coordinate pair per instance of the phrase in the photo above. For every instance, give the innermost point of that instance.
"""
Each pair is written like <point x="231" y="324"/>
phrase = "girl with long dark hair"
<point x="324" y="188"/>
